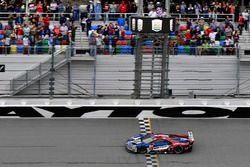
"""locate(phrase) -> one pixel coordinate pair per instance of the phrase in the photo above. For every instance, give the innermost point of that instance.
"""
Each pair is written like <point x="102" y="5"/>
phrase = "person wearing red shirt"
<point x="39" y="7"/>
<point x="241" y="23"/>
<point x="123" y="7"/>
<point x="105" y="9"/>
<point x="20" y="32"/>
<point x="46" y="21"/>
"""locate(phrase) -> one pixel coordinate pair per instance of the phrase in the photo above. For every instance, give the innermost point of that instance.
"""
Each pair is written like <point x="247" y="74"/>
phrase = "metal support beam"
<point x="238" y="70"/>
<point x="138" y="68"/>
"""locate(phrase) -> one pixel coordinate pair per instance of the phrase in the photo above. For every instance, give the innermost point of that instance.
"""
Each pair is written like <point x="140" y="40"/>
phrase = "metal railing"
<point x="52" y="16"/>
<point x="217" y="17"/>
<point x="37" y="72"/>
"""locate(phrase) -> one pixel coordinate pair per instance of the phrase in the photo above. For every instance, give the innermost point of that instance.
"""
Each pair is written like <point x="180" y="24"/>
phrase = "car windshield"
<point x="147" y="138"/>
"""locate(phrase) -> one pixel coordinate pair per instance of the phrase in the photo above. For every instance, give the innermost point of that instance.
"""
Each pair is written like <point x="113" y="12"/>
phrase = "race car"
<point x="160" y="143"/>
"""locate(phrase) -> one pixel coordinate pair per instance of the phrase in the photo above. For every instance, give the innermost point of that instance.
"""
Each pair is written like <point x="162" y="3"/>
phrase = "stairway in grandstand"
<point x="24" y="70"/>
<point x="244" y="45"/>
<point x="81" y="42"/>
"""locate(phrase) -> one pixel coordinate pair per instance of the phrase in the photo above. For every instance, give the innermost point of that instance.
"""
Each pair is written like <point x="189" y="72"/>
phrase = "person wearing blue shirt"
<point x="121" y="21"/>
<point x="98" y="9"/>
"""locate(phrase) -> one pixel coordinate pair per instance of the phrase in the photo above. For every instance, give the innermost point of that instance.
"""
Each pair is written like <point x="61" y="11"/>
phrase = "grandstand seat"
<point x="19" y="42"/>
<point x="45" y="46"/>
<point x="13" y="49"/>
<point x="172" y="33"/>
<point x="94" y="27"/>
<point x="19" y="48"/>
<point x="128" y="37"/>
<point x="180" y="49"/>
<point x="187" y="49"/>
<point x="148" y="43"/>
<point x="118" y="49"/>
<point x="1" y="37"/>
<point x="147" y="49"/>
<point x="222" y="38"/>
<point x="222" y="43"/>
<point x="173" y="37"/>
<point x="126" y="27"/>
<point x="183" y="27"/>
<point x="128" y="33"/>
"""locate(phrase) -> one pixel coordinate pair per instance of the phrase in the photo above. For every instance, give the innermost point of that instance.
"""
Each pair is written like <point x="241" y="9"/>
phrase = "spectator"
<point x="151" y="6"/>
<point x="105" y="10"/>
<point x="62" y="19"/>
<point x="91" y="9"/>
<point x="83" y="23"/>
<point x="236" y="36"/>
<point x="190" y="9"/>
<point x="123" y="7"/>
<point x="98" y="10"/>
<point x="53" y="7"/>
<point x="32" y="7"/>
<point x="152" y="13"/>
<point x="183" y="7"/>
<point x="121" y="21"/>
<point x="241" y="23"/>
<point x="61" y="7"/>
<point x="76" y="12"/>
<point x="7" y="44"/>
<point x="197" y="8"/>
<point x="245" y="15"/>
<point x="92" y="45"/>
<point x="228" y="31"/>
<point x="19" y="19"/>
<point x="26" y="44"/>
<point x="113" y="9"/>
<point x="88" y="23"/>
<point x="46" y="21"/>
<point x="39" y="7"/>
<point x="11" y="7"/>
<point x="83" y="11"/>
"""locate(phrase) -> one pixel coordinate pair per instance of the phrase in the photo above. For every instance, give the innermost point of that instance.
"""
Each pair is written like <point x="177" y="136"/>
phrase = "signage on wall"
<point x="151" y="25"/>
<point x="2" y="68"/>
<point x="111" y="112"/>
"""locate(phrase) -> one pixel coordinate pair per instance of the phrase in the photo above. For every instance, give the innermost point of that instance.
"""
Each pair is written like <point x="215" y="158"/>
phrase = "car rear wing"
<point x="190" y="135"/>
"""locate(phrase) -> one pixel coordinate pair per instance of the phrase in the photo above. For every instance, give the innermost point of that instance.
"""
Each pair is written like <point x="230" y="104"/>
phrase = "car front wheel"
<point x="178" y="150"/>
<point x="142" y="150"/>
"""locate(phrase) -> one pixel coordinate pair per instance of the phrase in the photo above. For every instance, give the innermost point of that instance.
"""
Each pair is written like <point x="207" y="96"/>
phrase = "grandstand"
<point x="48" y="52"/>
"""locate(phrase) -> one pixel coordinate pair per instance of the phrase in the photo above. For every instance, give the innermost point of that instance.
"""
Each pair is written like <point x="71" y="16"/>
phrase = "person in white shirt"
<point x="53" y="7"/>
<point x="25" y="45"/>
<point x="212" y="36"/>
<point x="152" y="13"/>
<point x="246" y="17"/>
<point x="64" y="30"/>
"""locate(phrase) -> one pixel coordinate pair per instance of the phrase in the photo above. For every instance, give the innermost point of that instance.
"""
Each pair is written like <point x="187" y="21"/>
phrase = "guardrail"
<point x="217" y="17"/>
<point x="52" y="16"/>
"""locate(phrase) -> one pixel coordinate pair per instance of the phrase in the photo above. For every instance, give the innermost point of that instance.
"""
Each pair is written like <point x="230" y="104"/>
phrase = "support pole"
<point x="138" y="68"/>
<point x="238" y="70"/>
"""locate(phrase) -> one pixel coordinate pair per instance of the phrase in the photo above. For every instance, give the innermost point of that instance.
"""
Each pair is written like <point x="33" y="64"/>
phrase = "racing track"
<point x="100" y="142"/>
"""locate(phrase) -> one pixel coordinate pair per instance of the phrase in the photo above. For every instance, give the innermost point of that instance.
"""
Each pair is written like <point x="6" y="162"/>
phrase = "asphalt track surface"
<point x="100" y="142"/>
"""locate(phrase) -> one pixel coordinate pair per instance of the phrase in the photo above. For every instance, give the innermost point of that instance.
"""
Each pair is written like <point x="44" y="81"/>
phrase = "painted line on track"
<point x="146" y="127"/>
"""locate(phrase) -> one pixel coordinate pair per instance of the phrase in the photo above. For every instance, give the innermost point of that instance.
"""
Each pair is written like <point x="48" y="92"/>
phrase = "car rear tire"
<point x="178" y="150"/>
<point x="142" y="150"/>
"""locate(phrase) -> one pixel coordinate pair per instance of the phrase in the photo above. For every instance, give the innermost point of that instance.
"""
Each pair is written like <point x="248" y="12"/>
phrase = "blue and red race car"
<point x="160" y="143"/>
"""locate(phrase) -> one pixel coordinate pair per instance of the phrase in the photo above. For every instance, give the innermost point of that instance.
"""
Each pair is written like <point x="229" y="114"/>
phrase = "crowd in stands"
<point x="34" y="33"/>
<point x="195" y="37"/>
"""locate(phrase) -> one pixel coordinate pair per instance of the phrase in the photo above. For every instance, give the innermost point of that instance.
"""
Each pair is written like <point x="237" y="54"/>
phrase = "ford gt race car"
<point x="160" y="143"/>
